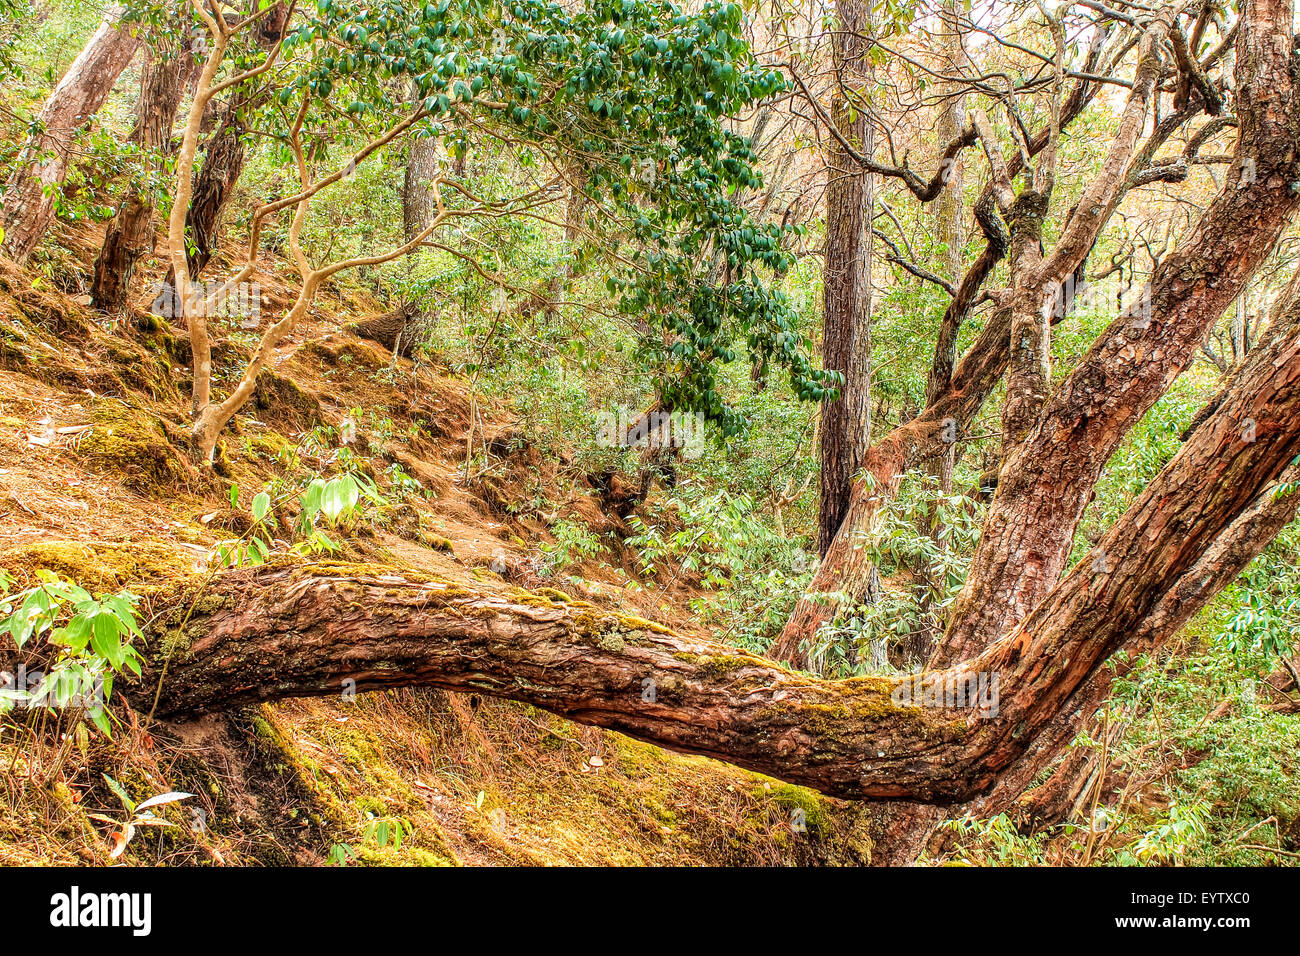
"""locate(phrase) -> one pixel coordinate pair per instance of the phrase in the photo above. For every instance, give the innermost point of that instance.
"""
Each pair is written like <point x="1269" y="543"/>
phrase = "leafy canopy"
<point x="630" y="94"/>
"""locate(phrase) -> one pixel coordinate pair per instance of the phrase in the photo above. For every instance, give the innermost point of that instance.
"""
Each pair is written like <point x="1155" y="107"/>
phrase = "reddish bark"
<point x="993" y="591"/>
<point x="283" y="631"/>
<point x="1043" y="491"/>
<point x="28" y="207"/>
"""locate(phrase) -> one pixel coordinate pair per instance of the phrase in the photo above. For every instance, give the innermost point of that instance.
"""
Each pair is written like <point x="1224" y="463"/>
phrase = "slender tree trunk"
<point x="129" y="234"/>
<point x="991" y="354"/>
<point x="417" y="199"/>
<point x="28" y="204"/>
<point x="418" y="209"/>
<point x="224" y="157"/>
<point x="950" y="210"/>
<point x="846" y="569"/>
<point x="847" y="286"/>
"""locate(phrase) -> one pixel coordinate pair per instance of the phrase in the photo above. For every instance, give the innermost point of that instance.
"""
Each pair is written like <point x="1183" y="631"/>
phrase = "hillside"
<point x="95" y="486"/>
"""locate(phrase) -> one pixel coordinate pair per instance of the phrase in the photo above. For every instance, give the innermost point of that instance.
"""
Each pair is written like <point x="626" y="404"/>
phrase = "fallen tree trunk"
<point x="292" y="631"/>
<point x="323" y="630"/>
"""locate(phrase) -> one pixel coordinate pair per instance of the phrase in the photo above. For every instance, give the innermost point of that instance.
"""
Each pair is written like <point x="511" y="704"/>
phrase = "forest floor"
<point x="94" y="485"/>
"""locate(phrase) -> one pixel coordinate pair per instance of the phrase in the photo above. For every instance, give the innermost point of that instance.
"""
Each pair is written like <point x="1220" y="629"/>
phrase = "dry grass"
<point x="91" y="417"/>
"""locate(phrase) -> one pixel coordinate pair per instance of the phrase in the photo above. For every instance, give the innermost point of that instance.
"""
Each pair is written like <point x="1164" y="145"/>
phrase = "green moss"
<point x="612" y="642"/>
<point x="368" y="804"/>
<point x="269" y="444"/>
<point x="281" y="401"/>
<point x="811" y="804"/>
<point x="371" y="855"/>
<point x="221" y="462"/>
<point x="131" y="444"/>
<point x="98" y="567"/>
<point x="714" y="667"/>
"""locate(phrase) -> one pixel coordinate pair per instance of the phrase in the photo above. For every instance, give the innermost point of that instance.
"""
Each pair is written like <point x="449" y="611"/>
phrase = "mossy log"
<point x="319" y="630"/>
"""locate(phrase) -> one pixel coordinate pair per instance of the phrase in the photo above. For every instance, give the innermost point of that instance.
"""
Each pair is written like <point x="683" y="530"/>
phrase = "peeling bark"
<point x="28" y="206"/>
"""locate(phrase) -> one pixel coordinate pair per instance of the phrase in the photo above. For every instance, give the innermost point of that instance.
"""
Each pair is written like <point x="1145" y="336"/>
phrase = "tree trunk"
<point x="417" y="199"/>
<point x="846" y="569"/>
<point x="223" y="160"/>
<point x="389" y="329"/>
<point x="949" y="212"/>
<point x="129" y="235"/>
<point x="284" y="631"/>
<point x="418" y="210"/>
<point x="222" y="165"/>
<point x="1020" y="309"/>
<point x="1045" y="487"/>
<point x="846" y="281"/>
<point x="28" y="207"/>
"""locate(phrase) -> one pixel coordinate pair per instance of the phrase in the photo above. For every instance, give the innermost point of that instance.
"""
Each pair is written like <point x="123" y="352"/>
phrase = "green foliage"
<point x="88" y="641"/>
<point x="921" y="573"/>
<point x="635" y="92"/>
<point x="136" y="815"/>
<point x="726" y="543"/>
<point x="1265" y="598"/>
<point x="379" y="832"/>
<point x="574" y="543"/>
<point x="326" y="507"/>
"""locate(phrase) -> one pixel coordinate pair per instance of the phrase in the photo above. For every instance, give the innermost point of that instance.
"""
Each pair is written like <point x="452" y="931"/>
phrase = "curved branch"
<point x="289" y="631"/>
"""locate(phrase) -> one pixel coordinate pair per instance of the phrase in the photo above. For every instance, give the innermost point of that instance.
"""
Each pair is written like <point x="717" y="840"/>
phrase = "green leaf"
<point x="119" y="790"/>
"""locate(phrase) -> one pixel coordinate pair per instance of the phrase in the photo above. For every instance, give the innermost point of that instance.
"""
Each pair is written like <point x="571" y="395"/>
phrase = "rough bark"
<point x="1036" y="280"/>
<point x="390" y="329"/>
<point x="418" y="205"/>
<point x="1045" y="487"/>
<point x="954" y="397"/>
<point x="1230" y="552"/>
<point x="401" y="327"/>
<point x="223" y="163"/>
<point x="846" y="320"/>
<point x="284" y="631"/>
<point x="129" y="235"/>
<point x="28" y="206"/>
